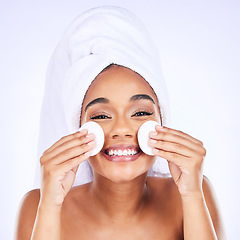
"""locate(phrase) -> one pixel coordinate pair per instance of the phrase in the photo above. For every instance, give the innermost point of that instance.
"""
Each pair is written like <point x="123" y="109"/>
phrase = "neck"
<point x="119" y="201"/>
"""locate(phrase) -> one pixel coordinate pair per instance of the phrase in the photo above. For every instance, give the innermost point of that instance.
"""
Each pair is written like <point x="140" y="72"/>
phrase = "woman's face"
<point x="120" y="101"/>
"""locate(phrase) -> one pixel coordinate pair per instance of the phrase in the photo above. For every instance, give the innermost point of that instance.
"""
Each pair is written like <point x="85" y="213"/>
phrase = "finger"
<point x="75" y="142"/>
<point x="174" y="138"/>
<point x="173" y="148"/>
<point x="67" y="138"/>
<point x="67" y="154"/>
<point x="179" y="160"/>
<point x="72" y="163"/>
<point x="178" y="133"/>
<point x="72" y="153"/>
<point x="185" y="164"/>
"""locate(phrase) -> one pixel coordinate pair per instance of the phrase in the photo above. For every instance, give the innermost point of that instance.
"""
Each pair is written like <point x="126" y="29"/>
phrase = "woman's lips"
<point x="122" y="153"/>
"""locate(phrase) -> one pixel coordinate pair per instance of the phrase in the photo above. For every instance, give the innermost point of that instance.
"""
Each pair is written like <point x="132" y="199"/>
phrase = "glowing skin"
<point x="120" y="101"/>
<point x="121" y="201"/>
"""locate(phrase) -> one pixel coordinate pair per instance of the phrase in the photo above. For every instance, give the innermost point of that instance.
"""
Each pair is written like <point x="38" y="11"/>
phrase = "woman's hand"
<point x="185" y="156"/>
<point x="59" y="166"/>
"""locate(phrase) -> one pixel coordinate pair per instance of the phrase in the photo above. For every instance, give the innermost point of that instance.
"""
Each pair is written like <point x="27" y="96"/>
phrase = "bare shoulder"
<point x="166" y="194"/>
<point x="213" y="207"/>
<point x="211" y="199"/>
<point x="27" y="214"/>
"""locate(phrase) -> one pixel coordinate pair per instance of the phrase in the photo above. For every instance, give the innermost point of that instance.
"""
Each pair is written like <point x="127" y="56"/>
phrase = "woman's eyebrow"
<point x="141" y="96"/>
<point x="95" y="101"/>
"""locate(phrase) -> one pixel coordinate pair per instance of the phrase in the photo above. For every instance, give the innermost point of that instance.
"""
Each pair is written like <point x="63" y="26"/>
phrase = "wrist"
<point x="193" y="196"/>
<point x="46" y="207"/>
<point x="48" y="222"/>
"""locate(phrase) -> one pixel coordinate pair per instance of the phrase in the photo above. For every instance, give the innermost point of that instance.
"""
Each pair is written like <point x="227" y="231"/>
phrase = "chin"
<point x="122" y="172"/>
<point x="124" y="176"/>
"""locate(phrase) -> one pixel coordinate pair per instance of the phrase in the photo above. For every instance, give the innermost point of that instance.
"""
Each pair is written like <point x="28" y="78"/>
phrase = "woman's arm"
<point x="48" y="223"/>
<point x="185" y="156"/>
<point x="27" y="214"/>
<point x="40" y="212"/>
<point x="214" y="210"/>
<point x="201" y="215"/>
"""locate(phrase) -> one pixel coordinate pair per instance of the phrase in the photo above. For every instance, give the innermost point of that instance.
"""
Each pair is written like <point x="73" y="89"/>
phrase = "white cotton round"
<point x="143" y="136"/>
<point x="97" y="131"/>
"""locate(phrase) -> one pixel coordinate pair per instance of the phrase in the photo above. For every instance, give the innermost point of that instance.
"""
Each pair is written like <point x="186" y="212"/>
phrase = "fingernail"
<point x="87" y="153"/>
<point x="155" y="150"/>
<point x="152" y="141"/>
<point x="153" y="134"/>
<point x="159" y="127"/>
<point x="91" y="143"/>
<point x="83" y="131"/>
<point x="89" y="135"/>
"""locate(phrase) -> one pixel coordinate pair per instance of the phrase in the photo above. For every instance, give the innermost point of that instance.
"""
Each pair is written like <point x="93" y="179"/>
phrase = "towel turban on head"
<point x="94" y="40"/>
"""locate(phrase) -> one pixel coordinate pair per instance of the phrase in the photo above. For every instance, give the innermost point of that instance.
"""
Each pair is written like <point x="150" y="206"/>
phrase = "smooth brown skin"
<point x="121" y="202"/>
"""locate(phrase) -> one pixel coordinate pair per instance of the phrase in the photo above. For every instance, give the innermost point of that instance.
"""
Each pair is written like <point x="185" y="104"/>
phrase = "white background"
<point x="198" y="43"/>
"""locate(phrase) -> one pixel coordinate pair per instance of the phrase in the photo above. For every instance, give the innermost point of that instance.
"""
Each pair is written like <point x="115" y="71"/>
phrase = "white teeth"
<point x="125" y="152"/>
<point x="110" y="152"/>
<point x="119" y="153"/>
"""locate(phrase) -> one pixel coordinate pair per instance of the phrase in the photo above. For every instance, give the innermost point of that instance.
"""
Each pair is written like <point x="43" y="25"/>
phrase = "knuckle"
<point x="179" y="147"/>
<point x="48" y="172"/>
<point x="162" y="135"/>
<point x="204" y="152"/>
<point x="76" y="133"/>
<point x="80" y="140"/>
<point x="63" y="138"/>
<point x="66" y="153"/>
<point x="42" y="159"/>
<point x="161" y="143"/>
<point x="45" y="152"/>
<point x="181" y="132"/>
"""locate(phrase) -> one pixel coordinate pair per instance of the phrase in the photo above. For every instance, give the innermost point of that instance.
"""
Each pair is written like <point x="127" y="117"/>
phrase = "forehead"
<point x="118" y="83"/>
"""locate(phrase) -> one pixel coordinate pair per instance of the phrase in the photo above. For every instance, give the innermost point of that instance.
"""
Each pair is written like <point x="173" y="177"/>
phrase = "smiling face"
<point x="120" y="100"/>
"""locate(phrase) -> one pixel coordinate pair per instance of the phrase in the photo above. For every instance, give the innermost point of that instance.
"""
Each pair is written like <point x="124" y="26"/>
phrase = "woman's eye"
<point x="142" y="113"/>
<point x="100" y="116"/>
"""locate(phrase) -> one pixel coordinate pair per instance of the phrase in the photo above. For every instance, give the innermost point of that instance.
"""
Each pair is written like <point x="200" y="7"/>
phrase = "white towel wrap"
<point x="94" y="40"/>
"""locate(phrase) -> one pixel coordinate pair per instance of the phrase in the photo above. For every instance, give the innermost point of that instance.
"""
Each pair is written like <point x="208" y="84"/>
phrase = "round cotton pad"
<point x="95" y="128"/>
<point x="143" y="136"/>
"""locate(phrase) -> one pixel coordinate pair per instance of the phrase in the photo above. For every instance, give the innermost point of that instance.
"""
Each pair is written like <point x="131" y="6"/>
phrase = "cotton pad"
<point x="96" y="130"/>
<point x="143" y="136"/>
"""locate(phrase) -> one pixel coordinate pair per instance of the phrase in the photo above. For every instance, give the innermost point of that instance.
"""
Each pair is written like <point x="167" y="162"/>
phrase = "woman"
<point x="106" y="70"/>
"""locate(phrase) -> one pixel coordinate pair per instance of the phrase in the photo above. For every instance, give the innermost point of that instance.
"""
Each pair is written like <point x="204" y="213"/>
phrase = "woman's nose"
<point x="122" y="129"/>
